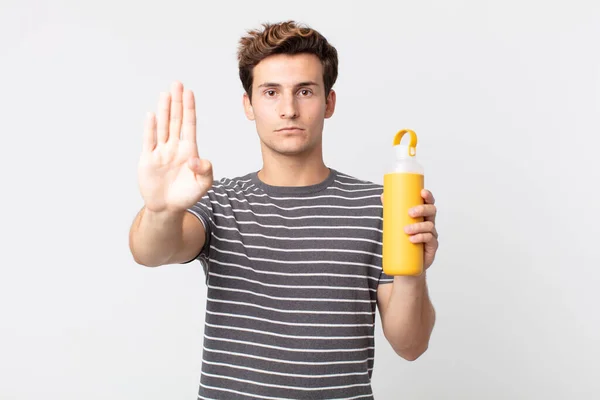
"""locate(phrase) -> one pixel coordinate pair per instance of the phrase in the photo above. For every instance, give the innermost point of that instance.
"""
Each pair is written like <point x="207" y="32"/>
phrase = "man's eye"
<point x="270" y="92"/>
<point x="305" y="92"/>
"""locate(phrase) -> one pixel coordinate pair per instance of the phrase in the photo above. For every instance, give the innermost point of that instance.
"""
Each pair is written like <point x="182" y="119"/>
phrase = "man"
<point x="292" y="252"/>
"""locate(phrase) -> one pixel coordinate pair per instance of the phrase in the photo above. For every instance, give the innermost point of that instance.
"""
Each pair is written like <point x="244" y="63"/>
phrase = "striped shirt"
<point x="292" y="276"/>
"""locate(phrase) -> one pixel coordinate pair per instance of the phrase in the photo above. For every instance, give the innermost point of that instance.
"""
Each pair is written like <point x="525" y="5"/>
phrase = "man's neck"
<point x="280" y="170"/>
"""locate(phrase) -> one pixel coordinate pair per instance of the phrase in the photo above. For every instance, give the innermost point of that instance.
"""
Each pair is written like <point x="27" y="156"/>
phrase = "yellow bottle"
<point x="402" y="186"/>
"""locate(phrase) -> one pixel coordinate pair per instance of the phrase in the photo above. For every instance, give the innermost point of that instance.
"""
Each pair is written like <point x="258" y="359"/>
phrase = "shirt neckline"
<point x="296" y="190"/>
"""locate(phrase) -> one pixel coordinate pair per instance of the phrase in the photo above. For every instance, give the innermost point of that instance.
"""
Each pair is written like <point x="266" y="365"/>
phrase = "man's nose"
<point x="288" y="107"/>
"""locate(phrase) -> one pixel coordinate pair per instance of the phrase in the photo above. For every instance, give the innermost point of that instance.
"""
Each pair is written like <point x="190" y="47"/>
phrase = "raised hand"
<point x="171" y="175"/>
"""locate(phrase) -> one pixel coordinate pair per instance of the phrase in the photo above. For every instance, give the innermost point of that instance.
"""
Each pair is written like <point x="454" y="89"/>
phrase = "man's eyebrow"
<point x="278" y="85"/>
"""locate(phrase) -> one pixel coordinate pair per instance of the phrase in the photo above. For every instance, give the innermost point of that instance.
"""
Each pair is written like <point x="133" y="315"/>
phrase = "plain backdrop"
<point x="505" y="99"/>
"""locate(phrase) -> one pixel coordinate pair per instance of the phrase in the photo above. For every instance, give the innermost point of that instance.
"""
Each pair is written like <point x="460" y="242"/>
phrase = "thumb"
<point x="200" y="167"/>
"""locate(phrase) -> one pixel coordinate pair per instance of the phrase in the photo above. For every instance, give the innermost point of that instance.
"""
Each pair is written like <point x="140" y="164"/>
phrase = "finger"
<point x="427" y="196"/>
<point x="422" y="238"/>
<point x="189" y="117"/>
<point x="201" y="167"/>
<point x="150" y="133"/>
<point x="427" y="211"/>
<point x="176" y="112"/>
<point x="420" y="227"/>
<point x="162" y="122"/>
<point x="433" y="231"/>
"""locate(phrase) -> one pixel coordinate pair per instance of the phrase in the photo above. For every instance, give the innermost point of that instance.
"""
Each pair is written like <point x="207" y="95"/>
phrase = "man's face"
<point x="289" y="104"/>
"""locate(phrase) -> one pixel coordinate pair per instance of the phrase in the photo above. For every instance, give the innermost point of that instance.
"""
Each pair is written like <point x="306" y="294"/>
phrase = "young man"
<point x="292" y="252"/>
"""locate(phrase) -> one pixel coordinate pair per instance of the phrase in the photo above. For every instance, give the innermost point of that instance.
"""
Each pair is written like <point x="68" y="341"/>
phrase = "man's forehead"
<point x="286" y="70"/>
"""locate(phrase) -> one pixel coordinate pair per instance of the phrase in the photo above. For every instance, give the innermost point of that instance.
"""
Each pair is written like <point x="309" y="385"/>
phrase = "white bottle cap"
<point x="403" y="153"/>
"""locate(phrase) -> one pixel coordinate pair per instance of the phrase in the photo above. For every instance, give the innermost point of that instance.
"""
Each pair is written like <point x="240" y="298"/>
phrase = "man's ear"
<point x="248" y="107"/>
<point x="330" y="104"/>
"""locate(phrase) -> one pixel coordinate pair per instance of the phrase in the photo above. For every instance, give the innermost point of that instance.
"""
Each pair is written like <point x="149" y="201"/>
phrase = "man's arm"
<point x="165" y="238"/>
<point x="407" y="315"/>
<point x="172" y="178"/>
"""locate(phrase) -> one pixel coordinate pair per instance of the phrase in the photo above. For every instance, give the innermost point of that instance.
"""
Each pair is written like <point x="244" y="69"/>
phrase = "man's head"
<point x="288" y="72"/>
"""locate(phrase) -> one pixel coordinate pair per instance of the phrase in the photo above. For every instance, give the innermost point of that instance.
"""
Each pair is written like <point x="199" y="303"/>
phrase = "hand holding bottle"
<point x="410" y="238"/>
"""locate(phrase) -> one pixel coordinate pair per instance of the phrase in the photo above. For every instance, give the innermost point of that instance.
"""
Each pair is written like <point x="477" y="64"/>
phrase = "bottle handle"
<point x="412" y="147"/>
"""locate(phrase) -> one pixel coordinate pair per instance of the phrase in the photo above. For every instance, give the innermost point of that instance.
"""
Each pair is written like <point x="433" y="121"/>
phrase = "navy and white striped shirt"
<point x="292" y="276"/>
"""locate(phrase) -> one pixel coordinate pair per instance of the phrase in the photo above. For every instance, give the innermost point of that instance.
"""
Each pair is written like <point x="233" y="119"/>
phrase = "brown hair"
<point x="286" y="37"/>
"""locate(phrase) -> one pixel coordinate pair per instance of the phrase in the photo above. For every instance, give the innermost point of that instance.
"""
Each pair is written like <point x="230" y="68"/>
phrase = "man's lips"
<point x="289" y="129"/>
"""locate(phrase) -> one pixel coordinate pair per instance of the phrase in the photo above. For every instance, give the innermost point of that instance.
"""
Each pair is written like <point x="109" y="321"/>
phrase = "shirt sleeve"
<point x="385" y="278"/>
<point x="203" y="210"/>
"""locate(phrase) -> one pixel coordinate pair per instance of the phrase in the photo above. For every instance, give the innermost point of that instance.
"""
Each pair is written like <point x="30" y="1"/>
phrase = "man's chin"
<point x="291" y="149"/>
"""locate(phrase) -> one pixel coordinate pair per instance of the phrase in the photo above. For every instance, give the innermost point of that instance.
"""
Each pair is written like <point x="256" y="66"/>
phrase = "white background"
<point x="505" y="98"/>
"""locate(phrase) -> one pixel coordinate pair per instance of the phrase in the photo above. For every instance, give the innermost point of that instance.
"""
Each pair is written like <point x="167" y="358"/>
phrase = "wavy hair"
<point x="286" y="37"/>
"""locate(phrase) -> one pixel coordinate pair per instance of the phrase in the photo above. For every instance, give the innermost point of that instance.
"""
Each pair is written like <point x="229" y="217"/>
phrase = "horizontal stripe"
<point x="256" y="396"/>
<point x="288" y="311"/>
<point x="287" y="323"/>
<point x="339" y="175"/>
<point x="327" y="206"/>
<point x="255" y="214"/>
<point x="291" y="298"/>
<point x="263" y="384"/>
<point x="296" y="250"/>
<point x="299" y="337"/>
<point x="326" y="196"/>
<point x="292" y="262"/>
<point x="276" y="360"/>
<point x="300" y="238"/>
<point x="351" y="228"/>
<point x="303" y="350"/>
<point x="262" y="371"/>
<point x="355" y="190"/>
<point x="294" y="274"/>
<point x="293" y="286"/>
<point x="358" y="184"/>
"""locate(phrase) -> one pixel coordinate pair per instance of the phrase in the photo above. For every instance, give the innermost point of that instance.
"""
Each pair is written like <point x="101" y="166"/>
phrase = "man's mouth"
<point x="291" y="129"/>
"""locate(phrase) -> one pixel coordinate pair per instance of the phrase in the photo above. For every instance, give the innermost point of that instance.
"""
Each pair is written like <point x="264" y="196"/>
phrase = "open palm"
<point x="171" y="175"/>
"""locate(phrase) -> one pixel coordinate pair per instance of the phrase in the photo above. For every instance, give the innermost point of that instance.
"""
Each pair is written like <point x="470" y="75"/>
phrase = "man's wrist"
<point x="411" y="281"/>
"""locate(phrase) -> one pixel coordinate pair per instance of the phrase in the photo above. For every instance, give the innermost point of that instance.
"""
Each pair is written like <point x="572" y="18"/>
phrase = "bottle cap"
<point x="405" y="150"/>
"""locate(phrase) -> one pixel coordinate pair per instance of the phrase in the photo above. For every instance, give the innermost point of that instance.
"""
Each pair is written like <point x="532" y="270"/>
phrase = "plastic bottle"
<point x="402" y="185"/>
